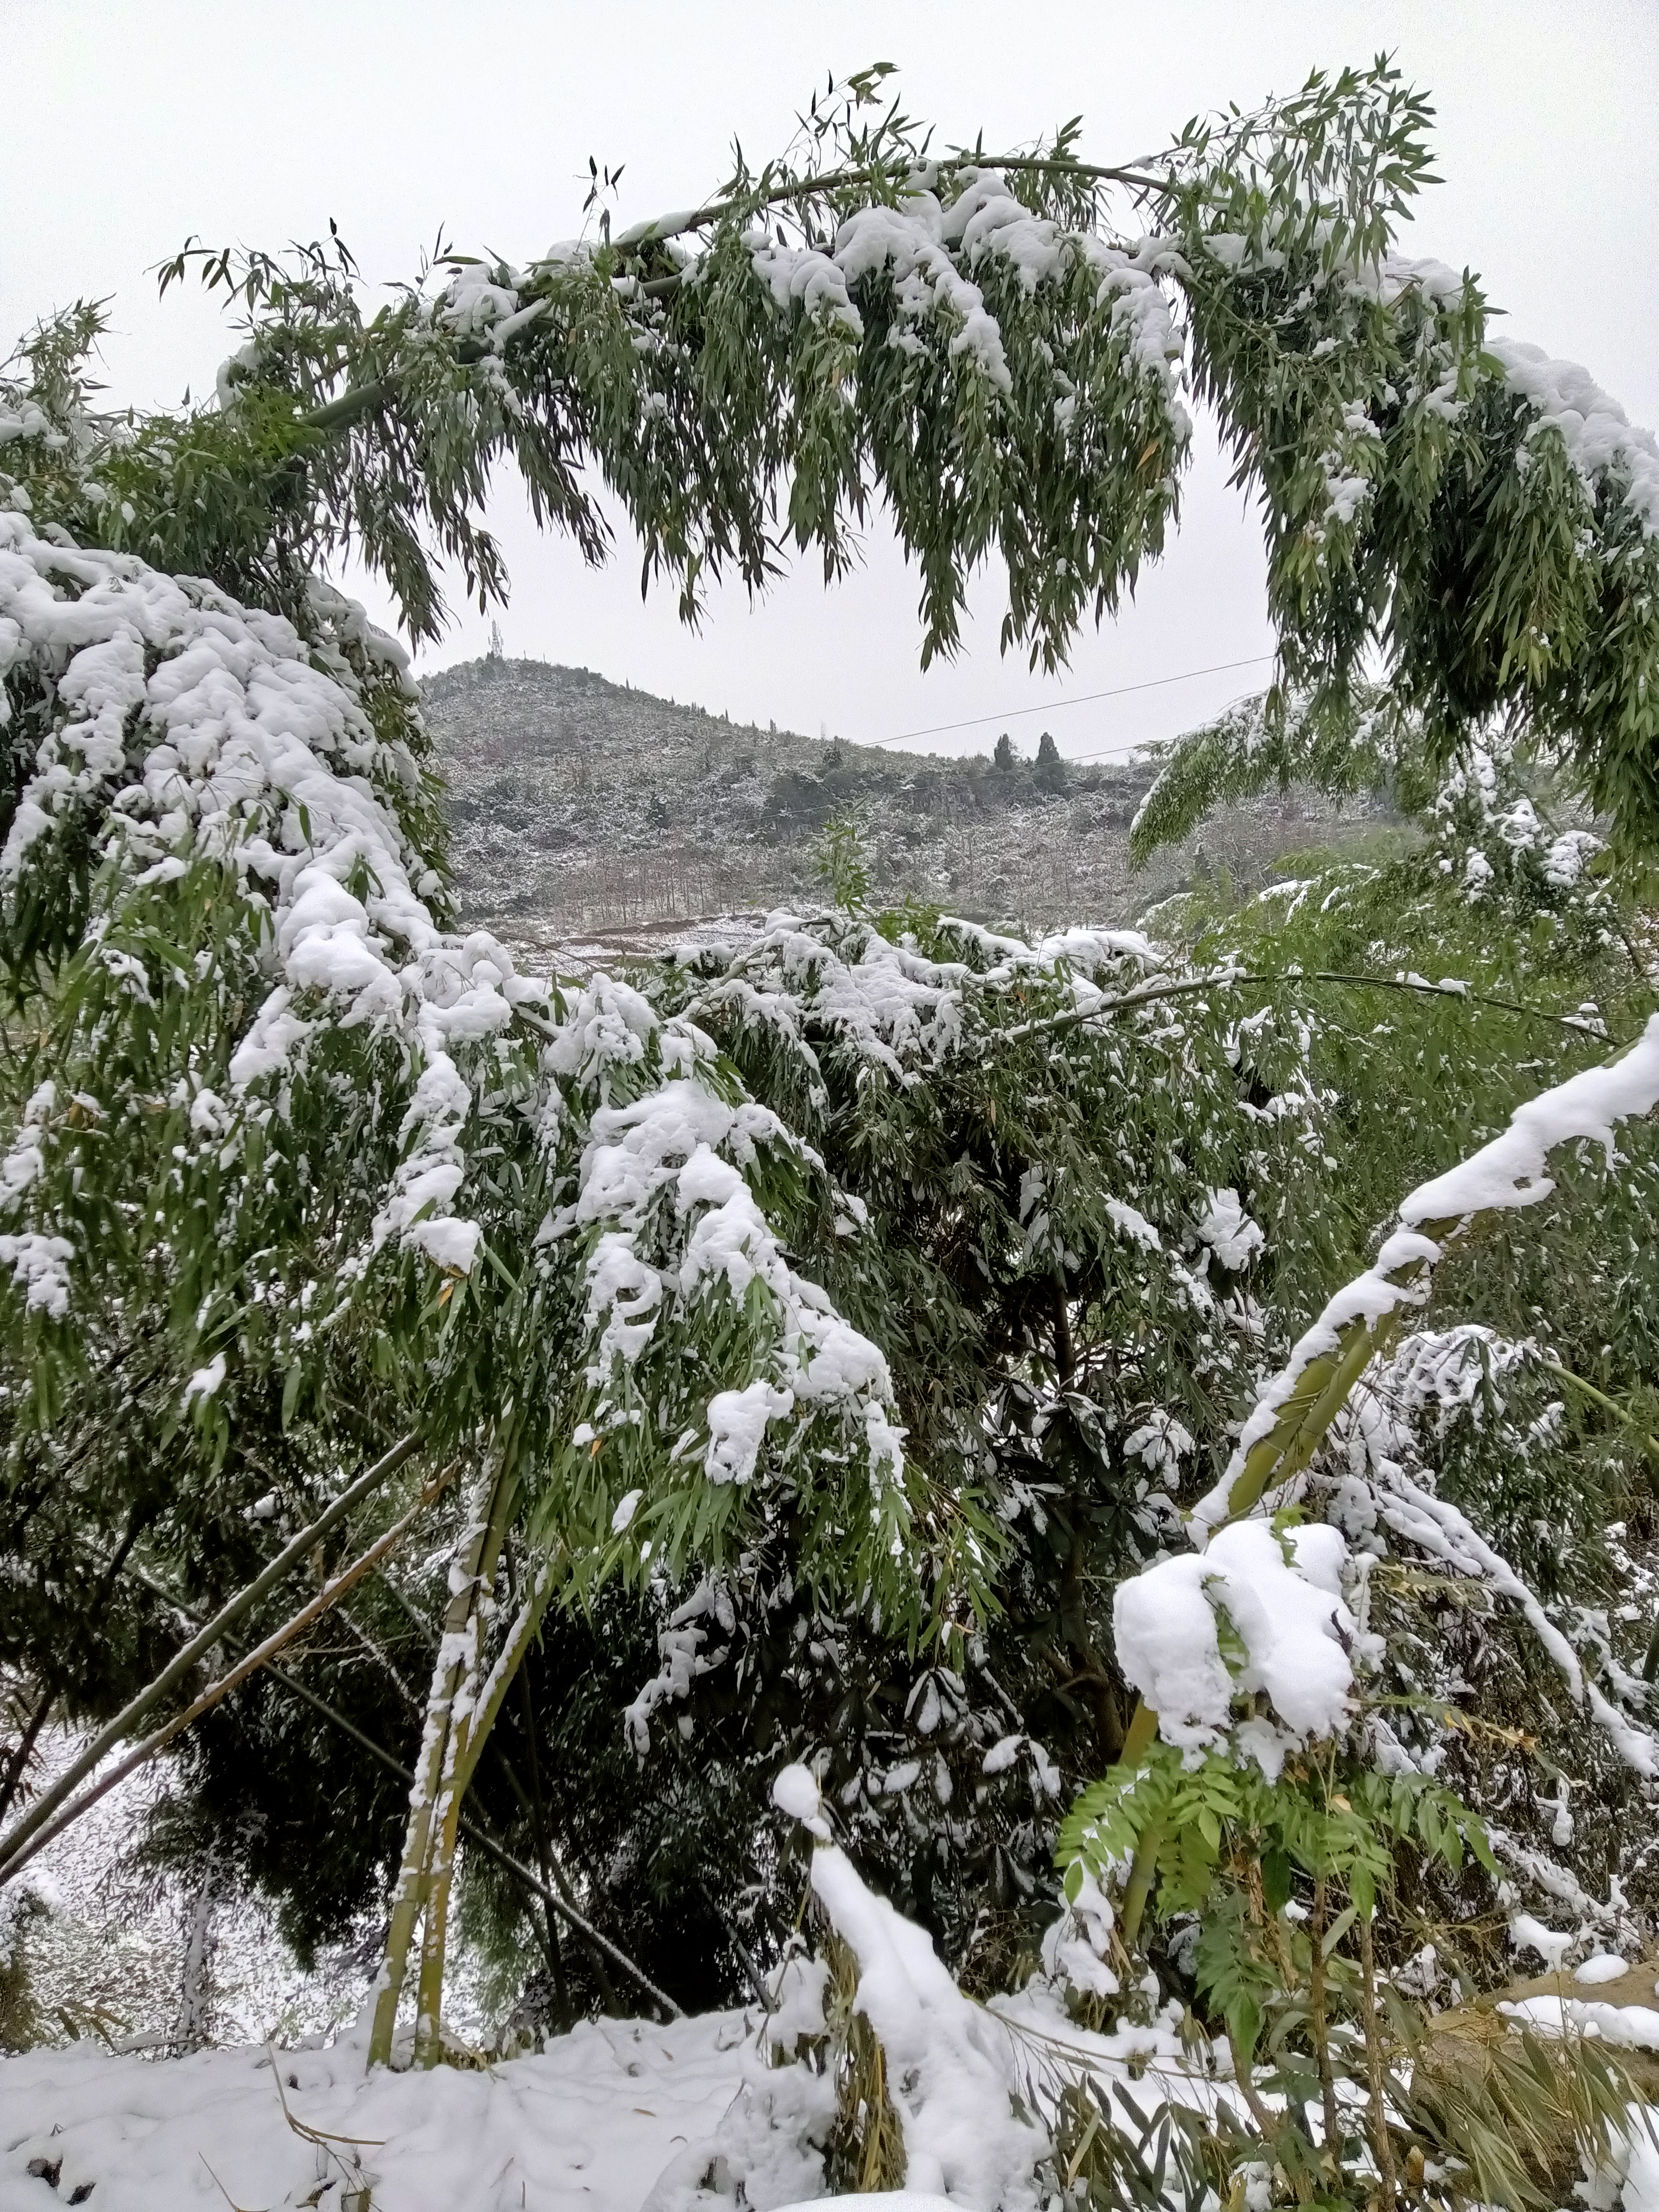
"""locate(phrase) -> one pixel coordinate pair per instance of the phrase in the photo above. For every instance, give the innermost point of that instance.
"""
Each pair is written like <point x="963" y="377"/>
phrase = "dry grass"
<point x="1518" y="2116"/>
<point x="867" y="2146"/>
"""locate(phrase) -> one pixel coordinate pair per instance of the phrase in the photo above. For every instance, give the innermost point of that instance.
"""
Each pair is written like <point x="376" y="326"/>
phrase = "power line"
<point x="1083" y="699"/>
<point x="1107" y="752"/>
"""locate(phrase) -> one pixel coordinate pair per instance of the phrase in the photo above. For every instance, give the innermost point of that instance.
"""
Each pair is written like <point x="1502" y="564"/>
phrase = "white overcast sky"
<point x="131" y="124"/>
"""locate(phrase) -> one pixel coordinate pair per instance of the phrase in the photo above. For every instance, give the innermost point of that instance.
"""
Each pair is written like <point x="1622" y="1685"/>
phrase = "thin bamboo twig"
<point x="1232" y="978"/>
<point x="349" y="407"/>
<point x="216" y="1692"/>
<point x="180" y="1664"/>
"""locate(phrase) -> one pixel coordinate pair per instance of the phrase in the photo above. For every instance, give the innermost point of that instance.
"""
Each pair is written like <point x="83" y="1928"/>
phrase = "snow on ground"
<point x="590" y="2123"/>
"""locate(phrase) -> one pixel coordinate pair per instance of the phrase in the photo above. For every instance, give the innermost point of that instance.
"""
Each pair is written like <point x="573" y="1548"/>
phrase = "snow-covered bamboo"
<point x="471" y="1573"/>
<point x="1295" y="1407"/>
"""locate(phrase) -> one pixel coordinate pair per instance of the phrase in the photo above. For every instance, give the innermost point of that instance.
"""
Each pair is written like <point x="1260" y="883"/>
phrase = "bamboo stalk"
<point x="216" y="1692"/>
<point x="456" y="1771"/>
<point x="552" y="1872"/>
<point x="480" y="1837"/>
<point x="408" y="1894"/>
<point x="471" y="1578"/>
<point x="180" y="1664"/>
<point x="493" y="1696"/>
<point x="1381" y="2145"/>
<point x="1241" y="2076"/>
<point x="1318" y="2029"/>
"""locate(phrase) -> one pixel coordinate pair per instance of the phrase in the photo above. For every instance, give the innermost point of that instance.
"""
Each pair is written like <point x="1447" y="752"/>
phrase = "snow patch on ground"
<point x="590" y="2123"/>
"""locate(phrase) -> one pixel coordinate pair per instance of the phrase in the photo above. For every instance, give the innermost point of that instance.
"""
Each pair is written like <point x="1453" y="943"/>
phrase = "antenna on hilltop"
<point x="496" y="650"/>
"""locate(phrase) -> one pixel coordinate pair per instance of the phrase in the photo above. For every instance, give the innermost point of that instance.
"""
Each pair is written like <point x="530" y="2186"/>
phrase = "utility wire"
<point x="1083" y="699"/>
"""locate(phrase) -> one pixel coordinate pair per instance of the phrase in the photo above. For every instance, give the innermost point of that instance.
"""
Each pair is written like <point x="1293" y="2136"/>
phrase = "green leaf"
<point x="1276" y="1879"/>
<point x="1338" y="1928"/>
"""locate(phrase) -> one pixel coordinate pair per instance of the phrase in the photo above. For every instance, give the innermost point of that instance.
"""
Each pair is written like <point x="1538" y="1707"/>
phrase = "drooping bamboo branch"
<point x="1294" y="1412"/>
<point x="1234" y="978"/>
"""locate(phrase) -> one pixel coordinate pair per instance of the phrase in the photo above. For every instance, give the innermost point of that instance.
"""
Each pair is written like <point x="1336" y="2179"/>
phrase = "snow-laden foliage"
<point x="885" y="1345"/>
<point x="1003" y="354"/>
<point x="290" y="1113"/>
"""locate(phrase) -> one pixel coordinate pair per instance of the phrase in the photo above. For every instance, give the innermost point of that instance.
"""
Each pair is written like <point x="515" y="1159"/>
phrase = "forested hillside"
<point x="578" y="806"/>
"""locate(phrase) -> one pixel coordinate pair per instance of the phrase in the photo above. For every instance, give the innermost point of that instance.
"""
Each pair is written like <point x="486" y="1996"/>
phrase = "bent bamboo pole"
<point x="178" y="1666"/>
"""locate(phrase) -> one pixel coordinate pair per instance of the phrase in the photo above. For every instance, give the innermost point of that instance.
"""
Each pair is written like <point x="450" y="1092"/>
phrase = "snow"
<point x="591" y="2124"/>
<point x="1229" y="1231"/>
<point x="882" y="2200"/>
<point x="681" y="1657"/>
<point x="1282" y="1595"/>
<point x="194" y="734"/>
<point x="795" y="1791"/>
<point x="927" y="246"/>
<point x="674" y="1150"/>
<point x="1599" y="437"/>
<point x="208" y="732"/>
<point x="40" y="1267"/>
<point x="1527" y="1934"/>
<point x="950" y="2070"/>
<point x="1627" y="2028"/>
<point x="1133" y="1225"/>
<point x="1507" y="1172"/>
<point x="1641" y="2178"/>
<point x="1605" y="1966"/>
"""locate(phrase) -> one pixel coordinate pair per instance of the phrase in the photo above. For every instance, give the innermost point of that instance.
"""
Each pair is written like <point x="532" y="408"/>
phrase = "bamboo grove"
<point x="795" y="1350"/>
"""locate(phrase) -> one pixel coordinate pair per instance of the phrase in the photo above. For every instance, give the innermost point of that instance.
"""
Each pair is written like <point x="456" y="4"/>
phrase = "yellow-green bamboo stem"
<point x="474" y="1715"/>
<point x="519" y="1638"/>
<point x="1322" y="1388"/>
<point x="448" y="1672"/>
<point x="453" y="1768"/>
<point x="430" y="1989"/>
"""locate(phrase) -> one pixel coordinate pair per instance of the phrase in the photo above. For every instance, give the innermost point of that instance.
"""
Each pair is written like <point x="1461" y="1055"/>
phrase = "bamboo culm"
<point x="216" y="1691"/>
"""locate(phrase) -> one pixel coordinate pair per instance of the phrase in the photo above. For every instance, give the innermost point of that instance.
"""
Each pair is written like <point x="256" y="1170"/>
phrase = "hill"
<point x="581" y="808"/>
